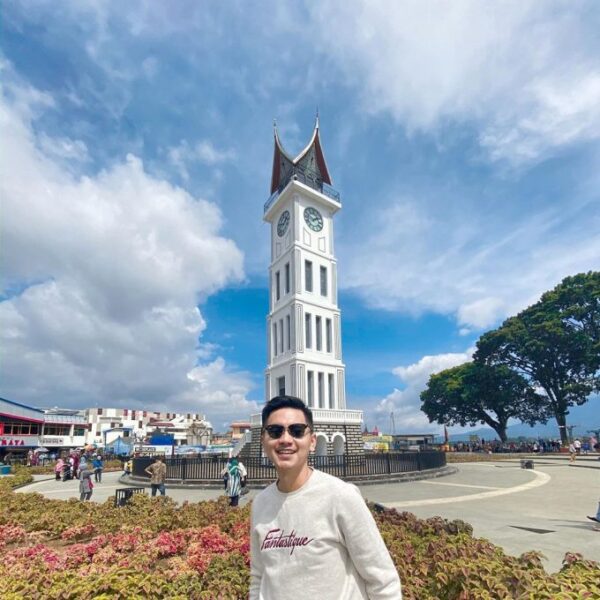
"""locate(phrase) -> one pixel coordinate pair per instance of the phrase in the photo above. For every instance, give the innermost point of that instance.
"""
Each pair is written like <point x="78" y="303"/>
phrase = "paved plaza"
<point x="519" y="509"/>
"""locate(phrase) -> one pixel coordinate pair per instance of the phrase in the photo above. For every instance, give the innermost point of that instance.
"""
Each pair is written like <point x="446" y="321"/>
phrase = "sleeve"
<point x="366" y="547"/>
<point x="256" y="566"/>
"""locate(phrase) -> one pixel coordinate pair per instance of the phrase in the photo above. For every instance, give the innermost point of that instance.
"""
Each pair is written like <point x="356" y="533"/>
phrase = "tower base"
<point x="338" y="431"/>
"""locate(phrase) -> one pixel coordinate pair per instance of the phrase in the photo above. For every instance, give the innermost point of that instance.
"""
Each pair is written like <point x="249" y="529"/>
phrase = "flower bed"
<point x="153" y="548"/>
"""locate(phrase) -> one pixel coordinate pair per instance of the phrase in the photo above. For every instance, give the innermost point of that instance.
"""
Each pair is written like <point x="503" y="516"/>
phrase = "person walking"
<point x="85" y="485"/>
<point x="158" y="473"/>
<point x="312" y="534"/>
<point x="233" y="473"/>
<point x="58" y="468"/>
<point x="98" y="465"/>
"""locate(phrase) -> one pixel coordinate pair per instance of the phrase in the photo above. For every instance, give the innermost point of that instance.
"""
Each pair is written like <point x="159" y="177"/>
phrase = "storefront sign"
<point x="19" y="441"/>
<point x="53" y="441"/>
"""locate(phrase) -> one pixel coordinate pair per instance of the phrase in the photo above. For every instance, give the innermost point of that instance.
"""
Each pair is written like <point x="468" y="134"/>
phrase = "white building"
<point x="107" y="424"/>
<point x="304" y="345"/>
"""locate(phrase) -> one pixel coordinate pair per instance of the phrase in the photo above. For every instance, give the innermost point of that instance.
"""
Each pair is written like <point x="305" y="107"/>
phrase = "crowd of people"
<point x="539" y="446"/>
<point x="81" y="465"/>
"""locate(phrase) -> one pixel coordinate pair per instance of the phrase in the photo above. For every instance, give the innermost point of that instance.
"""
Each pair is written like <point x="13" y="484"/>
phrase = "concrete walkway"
<point x="520" y="510"/>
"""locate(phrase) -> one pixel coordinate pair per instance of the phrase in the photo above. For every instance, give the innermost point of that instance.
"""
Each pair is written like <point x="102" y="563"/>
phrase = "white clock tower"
<point x="304" y="344"/>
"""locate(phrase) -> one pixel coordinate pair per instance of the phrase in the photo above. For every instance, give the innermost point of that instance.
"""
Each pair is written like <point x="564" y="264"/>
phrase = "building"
<point x="107" y="424"/>
<point x="304" y="344"/>
<point x="238" y="428"/>
<point x="24" y="428"/>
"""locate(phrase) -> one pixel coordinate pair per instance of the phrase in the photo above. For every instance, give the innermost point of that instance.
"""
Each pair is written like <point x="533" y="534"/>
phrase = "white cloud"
<point x="405" y="403"/>
<point x="203" y="152"/>
<point x="525" y="73"/>
<point x="101" y="278"/>
<point x="63" y="149"/>
<point x="432" y="254"/>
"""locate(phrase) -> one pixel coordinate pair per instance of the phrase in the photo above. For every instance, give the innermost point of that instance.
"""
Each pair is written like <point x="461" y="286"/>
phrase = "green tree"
<point x="555" y="344"/>
<point x="475" y="393"/>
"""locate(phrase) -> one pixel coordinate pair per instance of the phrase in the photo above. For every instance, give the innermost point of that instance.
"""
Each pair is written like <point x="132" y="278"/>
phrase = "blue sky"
<point x="137" y="148"/>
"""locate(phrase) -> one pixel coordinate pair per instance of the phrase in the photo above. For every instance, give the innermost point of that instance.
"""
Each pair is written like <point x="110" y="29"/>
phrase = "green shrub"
<point x="153" y="548"/>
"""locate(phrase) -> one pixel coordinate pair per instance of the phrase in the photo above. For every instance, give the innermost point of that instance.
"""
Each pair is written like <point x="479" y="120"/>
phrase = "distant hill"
<point x="583" y="418"/>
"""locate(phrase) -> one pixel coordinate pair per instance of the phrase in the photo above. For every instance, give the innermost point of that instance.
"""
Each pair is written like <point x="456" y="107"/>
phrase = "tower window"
<point x="318" y="333"/>
<point x="288" y="326"/>
<point x="308" y="329"/>
<point x="321" y="380"/>
<point x="274" y="339"/>
<point x="287" y="278"/>
<point x="328" y="335"/>
<point x="281" y="386"/>
<point x="308" y="277"/>
<point x="277" y="286"/>
<point x="323" y="272"/>
<point x="310" y="382"/>
<point x="330" y="385"/>
<point x="281" y="336"/>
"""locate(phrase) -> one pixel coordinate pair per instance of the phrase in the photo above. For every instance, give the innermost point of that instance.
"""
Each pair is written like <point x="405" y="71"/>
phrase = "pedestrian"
<point x="85" y="484"/>
<point x="596" y="519"/>
<point x="312" y="534"/>
<point x="58" y="468"/>
<point x="98" y="465"/>
<point x="572" y="452"/>
<point x="158" y="473"/>
<point x="577" y="444"/>
<point x="233" y="474"/>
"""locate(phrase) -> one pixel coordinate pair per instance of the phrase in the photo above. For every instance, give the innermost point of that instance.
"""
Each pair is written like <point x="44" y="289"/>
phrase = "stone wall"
<point x="352" y="434"/>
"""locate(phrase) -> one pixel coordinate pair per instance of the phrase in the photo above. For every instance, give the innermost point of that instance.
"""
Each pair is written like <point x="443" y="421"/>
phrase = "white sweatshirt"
<point x="319" y="542"/>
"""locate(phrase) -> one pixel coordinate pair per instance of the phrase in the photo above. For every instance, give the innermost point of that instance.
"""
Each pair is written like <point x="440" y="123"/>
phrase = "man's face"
<point x="287" y="452"/>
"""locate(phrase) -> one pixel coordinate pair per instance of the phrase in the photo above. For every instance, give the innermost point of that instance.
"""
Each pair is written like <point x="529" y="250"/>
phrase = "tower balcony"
<point x="309" y="178"/>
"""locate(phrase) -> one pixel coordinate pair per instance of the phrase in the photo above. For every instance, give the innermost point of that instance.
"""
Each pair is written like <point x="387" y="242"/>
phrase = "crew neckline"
<point x="302" y="487"/>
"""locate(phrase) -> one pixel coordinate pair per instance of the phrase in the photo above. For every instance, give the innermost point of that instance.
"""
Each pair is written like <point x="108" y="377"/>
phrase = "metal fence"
<point x="124" y="495"/>
<point x="206" y="468"/>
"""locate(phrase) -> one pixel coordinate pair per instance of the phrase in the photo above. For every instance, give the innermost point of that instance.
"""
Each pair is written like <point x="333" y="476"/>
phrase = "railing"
<point x="344" y="466"/>
<point x="307" y="177"/>
<point x="124" y="495"/>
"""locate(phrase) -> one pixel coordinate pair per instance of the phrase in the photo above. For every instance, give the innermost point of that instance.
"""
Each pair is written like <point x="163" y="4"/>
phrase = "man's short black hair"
<point x="286" y="402"/>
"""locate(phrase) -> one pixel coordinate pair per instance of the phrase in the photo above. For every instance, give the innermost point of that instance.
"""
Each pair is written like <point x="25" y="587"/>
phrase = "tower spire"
<point x="310" y="163"/>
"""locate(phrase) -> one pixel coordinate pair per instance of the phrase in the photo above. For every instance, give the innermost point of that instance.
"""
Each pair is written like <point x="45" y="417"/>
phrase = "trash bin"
<point x="4" y="469"/>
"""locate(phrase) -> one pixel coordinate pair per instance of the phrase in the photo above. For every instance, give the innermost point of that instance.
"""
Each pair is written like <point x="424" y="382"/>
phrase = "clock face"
<point x="313" y="218"/>
<point x="282" y="224"/>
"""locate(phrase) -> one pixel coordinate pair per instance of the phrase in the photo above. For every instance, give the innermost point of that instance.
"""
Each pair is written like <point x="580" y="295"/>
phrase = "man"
<point x="158" y="473"/>
<point x="312" y="534"/>
<point x="98" y="465"/>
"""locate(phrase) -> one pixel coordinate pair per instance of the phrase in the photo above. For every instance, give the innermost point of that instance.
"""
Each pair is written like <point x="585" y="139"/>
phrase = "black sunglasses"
<point x="296" y="430"/>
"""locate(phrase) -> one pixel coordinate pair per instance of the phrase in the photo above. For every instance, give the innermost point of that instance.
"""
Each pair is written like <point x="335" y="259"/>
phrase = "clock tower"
<point x="304" y="342"/>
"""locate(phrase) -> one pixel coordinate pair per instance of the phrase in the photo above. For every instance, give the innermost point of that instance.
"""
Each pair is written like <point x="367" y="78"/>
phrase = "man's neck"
<point x="290" y="481"/>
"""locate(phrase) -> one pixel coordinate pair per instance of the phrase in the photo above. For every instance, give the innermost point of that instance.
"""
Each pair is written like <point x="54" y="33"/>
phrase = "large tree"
<point x="475" y="393"/>
<point x="555" y="344"/>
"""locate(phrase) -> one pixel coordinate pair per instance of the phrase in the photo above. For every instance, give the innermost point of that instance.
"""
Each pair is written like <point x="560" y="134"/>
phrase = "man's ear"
<point x="313" y="442"/>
